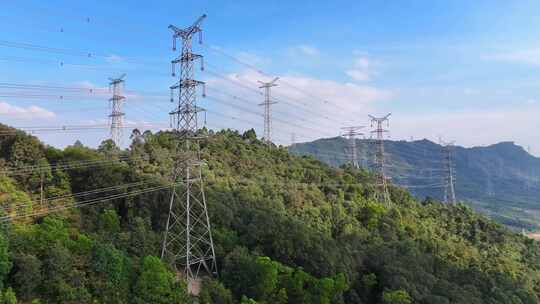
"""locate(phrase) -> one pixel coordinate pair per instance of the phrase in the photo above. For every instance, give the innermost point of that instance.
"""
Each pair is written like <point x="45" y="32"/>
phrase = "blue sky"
<point x="464" y="70"/>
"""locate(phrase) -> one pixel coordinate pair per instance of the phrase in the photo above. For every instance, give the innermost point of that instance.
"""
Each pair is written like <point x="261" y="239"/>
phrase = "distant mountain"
<point x="501" y="180"/>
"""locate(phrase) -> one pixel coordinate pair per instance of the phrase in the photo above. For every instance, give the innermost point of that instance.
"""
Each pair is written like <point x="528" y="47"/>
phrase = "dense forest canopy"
<point x="287" y="229"/>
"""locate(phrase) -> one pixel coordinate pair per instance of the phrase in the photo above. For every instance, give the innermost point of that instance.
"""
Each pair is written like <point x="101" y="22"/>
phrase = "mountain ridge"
<point x="501" y="180"/>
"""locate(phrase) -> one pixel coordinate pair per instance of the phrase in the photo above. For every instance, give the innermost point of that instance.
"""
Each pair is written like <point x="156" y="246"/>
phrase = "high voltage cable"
<point x="281" y="100"/>
<point x="70" y="52"/>
<point x="75" y="195"/>
<point x="90" y="54"/>
<point x="224" y="77"/>
<point x="34" y="47"/>
<point x="63" y="87"/>
<point x="62" y="64"/>
<point x="90" y="90"/>
<point x="387" y="165"/>
<point x="23" y="88"/>
<point x="397" y="175"/>
<point x="67" y="165"/>
<point x="23" y="45"/>
<point x="75" y="127"/>
<point x="285" y="100"/>
<point x="84" y="203"/>
<point x="235" y="97"/>
<point x="158" y="188"/>
<point x="246" y="120"/>
<point x="259" y="114"/>
<point x="260" y="71"/>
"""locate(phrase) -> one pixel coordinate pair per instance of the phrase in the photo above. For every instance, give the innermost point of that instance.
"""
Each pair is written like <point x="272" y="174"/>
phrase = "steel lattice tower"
<point x="293" y="142"/>
<point x="352" y="152"/>
<point x="116" y="118"/>
<point x="188" y="244"/>
<point x="267" y="111"/>
<point x="382" y="186"/>
<point x="449" y="178"/>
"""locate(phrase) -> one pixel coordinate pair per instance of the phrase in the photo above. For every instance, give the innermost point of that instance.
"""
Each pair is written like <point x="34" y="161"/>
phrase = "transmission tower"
<point x="116" y="118"/>
<point x="352" y="153"/>
<point x="382" y="186"/>
<point x="449" y="177"/>
<point x="188" y="245"/>
<point x="293" y="142"/>
<point x="267" y="111"/>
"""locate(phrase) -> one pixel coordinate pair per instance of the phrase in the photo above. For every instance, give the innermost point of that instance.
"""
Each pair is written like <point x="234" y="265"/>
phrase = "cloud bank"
<point x="24" y="113"/>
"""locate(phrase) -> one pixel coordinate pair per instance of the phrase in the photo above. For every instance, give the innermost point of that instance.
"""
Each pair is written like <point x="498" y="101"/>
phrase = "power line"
<point x="23" y="206"/>
<point x="263" y="73"/>
<point x="302" y="106"/>
<point x="57" y="208"/>
<point x="65" y="166"/>
<point x="293" y="114"/>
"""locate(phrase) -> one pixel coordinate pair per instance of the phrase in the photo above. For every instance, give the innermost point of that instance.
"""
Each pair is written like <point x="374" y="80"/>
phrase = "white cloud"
<point x="362" y="63"/>
<point x="252" y="59"/>
<point x="473" y="127"/>
<point x="303" y="54"/>
<point x="106" y="91"/>
<point x="310" y="107"/>
<point x="25" y="113"/>
<point x="86" y="84"/>
<point x="308" y="50"/>
<point x="114" y="58"/>
<point x="358" y="75"/>
<point x="528" y="57"/>
<point x="362" y="68"/>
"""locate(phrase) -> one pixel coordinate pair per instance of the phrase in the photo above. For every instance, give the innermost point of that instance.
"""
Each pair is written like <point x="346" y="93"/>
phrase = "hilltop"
<point x="287" y="229"/>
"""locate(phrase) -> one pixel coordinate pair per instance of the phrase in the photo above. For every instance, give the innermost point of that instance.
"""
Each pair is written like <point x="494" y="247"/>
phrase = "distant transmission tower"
<point x="188" y="244"/>
<point x="293" y="142"/>
<point x="267" y="111"/>
<point x="116" y="118"/>
<point x="449" y="177"/>
<point x="352" y="152"/>
<point x="382" y="186"/>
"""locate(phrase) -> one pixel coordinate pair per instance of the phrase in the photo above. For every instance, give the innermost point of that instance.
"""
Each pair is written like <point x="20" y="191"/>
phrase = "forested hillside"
<point x="287" y="229"/>
<point x="501" y="180"/>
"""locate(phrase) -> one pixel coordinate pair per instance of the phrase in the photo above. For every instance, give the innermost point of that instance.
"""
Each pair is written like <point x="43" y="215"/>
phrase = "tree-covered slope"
<point x="287" y="229"/>
<point x="501" y="180"/>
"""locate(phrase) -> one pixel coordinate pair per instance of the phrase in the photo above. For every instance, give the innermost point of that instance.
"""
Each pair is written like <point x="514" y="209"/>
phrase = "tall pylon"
<point x="267" y="110"/>
<point x="382" y="193"/>
<point x="350" y="134"/>
<point x="293" y="142"/>
<point x="188" y="245"/>
<point x="116" y="118"/>
<point x="449" y="176"/>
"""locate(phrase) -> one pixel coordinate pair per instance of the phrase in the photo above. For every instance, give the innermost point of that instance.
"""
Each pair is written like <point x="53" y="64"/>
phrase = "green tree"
<point x="213" y="292"/>
<point x="255" y="277"/>
<point x="28" y="276"/>
<point x="5" y="261"/>
<point x="109" y="225"/>
<point x="396" y="297"/>
<point x="8" y="297"/>
<point x="156" y="284"/>
<point x="112" y="274"/>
